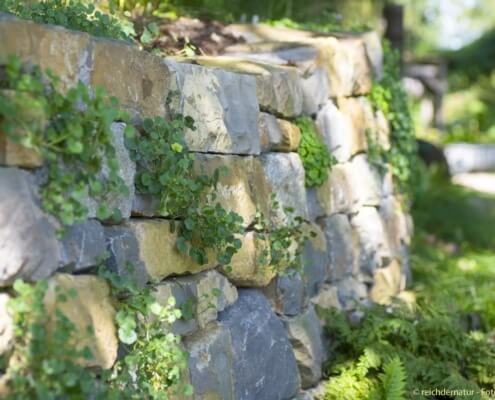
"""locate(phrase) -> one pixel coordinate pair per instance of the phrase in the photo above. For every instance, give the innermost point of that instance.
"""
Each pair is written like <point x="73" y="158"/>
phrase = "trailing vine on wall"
<point x="166" y="170"/>
<point x="389" y="96"/>
<point x="71" y="132"/>
<point x="46" y="361"/>
<point x="286" y="242"/>
<point x="316" y="158"/>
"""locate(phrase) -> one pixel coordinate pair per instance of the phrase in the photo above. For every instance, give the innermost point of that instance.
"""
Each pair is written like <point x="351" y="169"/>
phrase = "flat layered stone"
<point x="349" y="61"/>
<point x="126" y="171"/>
<point x="278" y="87"/>
<point x="244" y="188"/>
<point x="264" y="366"/>
<point x="92" y="313"/>
<point x="388" y="282"/>
<point x="211" y="364"/>
<point x="305" y="336"/>
<point x="342" y="245"/>
<point x="28" y="243"/>
<point x="157" y="250"/>
<point x="278" y="134"/>
<point x="374" y="248"/>
<point x="65" y="52"/>
<point x="200" y="297"/>
<point x="285" y="175"/>
<point x="140" y="80"/>
<point x="223" y="105"/>
<point x="246" y="268"/>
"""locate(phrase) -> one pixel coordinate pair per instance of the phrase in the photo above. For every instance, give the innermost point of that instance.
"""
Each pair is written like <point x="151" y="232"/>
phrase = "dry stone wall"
<point x="260" y="338"/>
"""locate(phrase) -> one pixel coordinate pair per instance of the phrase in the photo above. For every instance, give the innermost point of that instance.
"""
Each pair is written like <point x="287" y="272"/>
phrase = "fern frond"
<point x="393" y="380"/>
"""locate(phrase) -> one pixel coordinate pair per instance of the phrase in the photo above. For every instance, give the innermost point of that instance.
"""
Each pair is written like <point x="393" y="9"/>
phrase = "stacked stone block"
<point x="261" y="337"/>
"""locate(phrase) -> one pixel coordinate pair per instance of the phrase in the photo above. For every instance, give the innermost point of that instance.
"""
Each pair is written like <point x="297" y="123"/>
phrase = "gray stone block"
<point x="305" y="335"/>
<point x="211" y="364"/>
<point x="264" y="365"/>
<point x="28" y="244"/>
<point x="82" y="246"/>
<point x="342" y="246"/>
<point x="123" y="249"/>
<point x="287" y="293"/>
<point x="223" y="105"/>
<point x="200" y="297"/>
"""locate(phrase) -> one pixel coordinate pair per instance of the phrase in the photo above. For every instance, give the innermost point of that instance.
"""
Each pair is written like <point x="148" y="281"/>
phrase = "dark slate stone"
<point x="264" y="365"/>
<point x="28" y="244"/>
<point x="210" y="363"/>
<point x="82" y="246"/>
<point x="287" y="294"/>
<point x="316" y="265"/>
<point x="123" y="249"/>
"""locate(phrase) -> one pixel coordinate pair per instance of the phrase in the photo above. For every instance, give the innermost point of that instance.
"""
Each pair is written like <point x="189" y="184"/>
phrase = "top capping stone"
<point x="140" y="80"/>
<point x="278" y="87"/>
<point x="350" y="60"/>
<point x="61" y="50"/>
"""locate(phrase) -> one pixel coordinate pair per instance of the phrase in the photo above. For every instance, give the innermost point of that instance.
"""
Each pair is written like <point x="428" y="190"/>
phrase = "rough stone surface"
<point x="395" y="224"/>
<point x="64" y="52"/>
<point x="11" y="152"/>
<point x="285" y="174"/>
<point x="245" y="269"/>
<point x="287" y="293"/>
<point x="305" y="336"/>
<point x="278" y="88"/>
<point x="315" y="90"/>
<point x="327" y="297"/>
<point x="223" y="105"/>
<point x="28" y="243"/>
<point x="342" y="129"/>
<point x="140" y="80"/>
<point x="315" y="261"/>
<point x="200" y="296"/>
<point x="127" y="171"/>
<point x="82" y="246"/>
<point x="348" y="68"/>
<point x="211" y="364"/>
<point x="342" y="247"/>
<point x="351" y="292"/>
<point x="367" y="185"/>
<point x="123" y="250"/>
<point x="374" y="50"/>
<point x="335" y="195"/>
<point x="278" y="134"/>
<point x="158" y="252"/>
<point x="388" y="282"/>
<point x="6" y="325"/>
<point x="245" y="187"/>
<point x="374" y="249"/>
<point x="92" y="307"/>
<point x="264" y="366"/>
